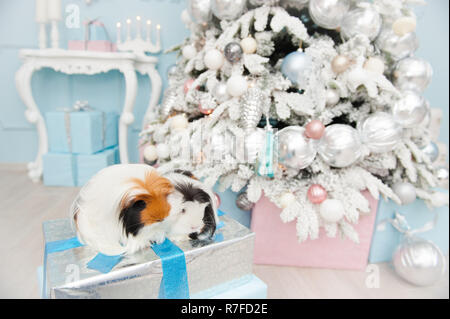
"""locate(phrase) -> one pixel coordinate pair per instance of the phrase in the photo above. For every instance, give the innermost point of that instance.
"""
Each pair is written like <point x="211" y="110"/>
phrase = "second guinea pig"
<point x="194" y="208"/>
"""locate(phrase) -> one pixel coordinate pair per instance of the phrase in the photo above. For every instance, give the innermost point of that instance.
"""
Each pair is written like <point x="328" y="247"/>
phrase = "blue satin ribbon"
<point x="104" y="263"/>
<point x="174" y="284"/>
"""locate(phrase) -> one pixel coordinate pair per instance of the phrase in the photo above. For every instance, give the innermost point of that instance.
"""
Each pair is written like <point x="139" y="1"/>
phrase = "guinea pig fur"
<point x="122" y="209"/>
<point x="194" y="208"/>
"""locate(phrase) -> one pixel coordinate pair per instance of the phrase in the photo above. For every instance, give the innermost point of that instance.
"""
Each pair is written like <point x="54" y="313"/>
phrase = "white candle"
<point x="54" y="10"/>
<point x="158" y="35"/>
<point x="119" y="30"/>
<point x="148" y="30"/>
<point x="41" y="11"/>
<point x="138" y="27"/>
<point x="128" y="29"/>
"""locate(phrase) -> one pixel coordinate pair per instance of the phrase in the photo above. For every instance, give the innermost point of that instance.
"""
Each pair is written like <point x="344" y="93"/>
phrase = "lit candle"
<point x="158" y="35"/>
<point x="119" y="30"/>
<point x="148" y="31"/>
<point x="54" y="10"/>
<point x="138" y="27"/>
<point x="41" y="11"/>
<point x="128" y="29"/>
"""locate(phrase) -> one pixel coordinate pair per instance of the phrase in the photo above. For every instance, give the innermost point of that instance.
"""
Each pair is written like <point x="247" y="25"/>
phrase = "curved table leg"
<point x="127" y="117"/>
<point x="156" y="83"/>
<point x="34" y="116"/>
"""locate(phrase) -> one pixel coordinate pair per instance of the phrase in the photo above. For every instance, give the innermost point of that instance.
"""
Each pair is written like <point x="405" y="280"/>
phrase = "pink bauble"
<point x="217" y="199"/>
<point x="205" y="111"/>
<point x="187" y="85"/>
<point x="317" y="194"/>
<point x="315" y="130"/>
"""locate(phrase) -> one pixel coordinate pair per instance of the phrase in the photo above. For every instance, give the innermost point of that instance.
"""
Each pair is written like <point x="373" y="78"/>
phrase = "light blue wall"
<point x="18" y="138"/>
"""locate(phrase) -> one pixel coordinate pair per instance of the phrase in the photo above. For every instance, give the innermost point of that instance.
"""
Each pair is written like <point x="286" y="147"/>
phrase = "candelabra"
<point x="139" y="45"/>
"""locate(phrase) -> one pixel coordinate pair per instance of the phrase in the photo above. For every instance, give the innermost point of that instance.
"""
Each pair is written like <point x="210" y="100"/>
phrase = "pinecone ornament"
<point x="252" y="108"/>
<point x="168" y="103"/>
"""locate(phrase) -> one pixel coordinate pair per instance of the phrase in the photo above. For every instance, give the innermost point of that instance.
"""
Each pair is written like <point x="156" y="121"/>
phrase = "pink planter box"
<point x="276" y="242"/>
<point x="94" y="45"/>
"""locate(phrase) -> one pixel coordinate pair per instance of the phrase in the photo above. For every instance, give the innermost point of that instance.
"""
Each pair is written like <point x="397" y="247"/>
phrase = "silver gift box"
<point x="139" y="275"/>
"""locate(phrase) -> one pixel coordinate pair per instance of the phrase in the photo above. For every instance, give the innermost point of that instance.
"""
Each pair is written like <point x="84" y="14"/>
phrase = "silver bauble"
<point x="340" y="146"/>
<point x="296" y="66"/>
<point x="297" y="4"/>
<point x="442" y="173"/>
<point x="254" y="143"/>
<point x="406" y="192"/>
<point x="251" y="108"/>
<point x="398" y="47"/>
<point x="410" y="110"/>
<point x="257" y="3"/>
<point x="228" y="9"/>
<point x="431" y="151"/>
<point x="412" y="74"/>
<point x="233" y="52"/>
<point x="380" y="133"/>
<point x="243" y="203"/>
<point x="366" y="21"/>
<point x="295" y="150"/>
<point x="419" y="262"/>
<point x="200" y="10"/>
<point x="220" y="92"/>
<point x="328" y="14"/>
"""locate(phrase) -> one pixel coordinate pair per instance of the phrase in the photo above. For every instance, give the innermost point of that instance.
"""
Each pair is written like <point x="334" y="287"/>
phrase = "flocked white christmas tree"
<point x="308" y="102"/>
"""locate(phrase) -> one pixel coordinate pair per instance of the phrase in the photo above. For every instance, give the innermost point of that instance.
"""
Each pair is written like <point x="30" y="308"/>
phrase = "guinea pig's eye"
<point x="183" y="211"/>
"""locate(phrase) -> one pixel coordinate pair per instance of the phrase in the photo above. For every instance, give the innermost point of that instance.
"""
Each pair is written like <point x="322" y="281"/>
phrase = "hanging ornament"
<point x="296" y="67"/>
<point x="220" y="92"/>
<point x="200" y="10"/>
<point x="163" y="151"/>
<point x="258" y="3"/>
<point x="287" y="200"/>
<point x="366" y="21"/>
<point x="412" y="74"/>
<point x="375" y="65"/>
<point x="380" y="133"/>
<point x="315" y="129"/>
<point x="205" y="110"/>
<point x="442" y="173"/>
<point x="189" y="52"/>
<point x="214" y="59"/>
<point x="150" y="154"/>
<point x="431" y="151"/>
<point x="404" y="25"/>
<point x="267" y="154"/>
<point x="328" y="13"/>
<point x="172" y="70"/>
<point x="332" y="210"/>
<point x="397" y="47"/>
<point x="317" y="194"/>
<point x="187" y="85"/>
<point x="233" y="52"/>
<point x="252" y="108"/>
<point x="297" y="4"/>
<point x="332" y="97"/>
<point x="249" y="45"/>
<point x="243" y="203"/>
<point x="237" y="85"/>
<point x="406" y="192"/>
<point x="340" y="146"/>
<point x="179" y="122"/>
<point x="253" y="144"/>
<point x="410" y="110"/>
<point x="295" y="149"/>
<point x="169" y="102"/>
<point x="340" y="64"/>
<point x="217" y="200"/>
<point x="228" y="9"/>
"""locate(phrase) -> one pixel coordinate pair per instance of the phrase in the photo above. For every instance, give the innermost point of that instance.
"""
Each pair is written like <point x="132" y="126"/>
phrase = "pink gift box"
<point x="92" y="45"/>
<point x="276" y="242"/>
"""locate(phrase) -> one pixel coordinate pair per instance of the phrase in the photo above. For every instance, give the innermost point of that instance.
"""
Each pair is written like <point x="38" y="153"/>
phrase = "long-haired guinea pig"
<point x="122" y="209"/>
<point x="194" y="208"/>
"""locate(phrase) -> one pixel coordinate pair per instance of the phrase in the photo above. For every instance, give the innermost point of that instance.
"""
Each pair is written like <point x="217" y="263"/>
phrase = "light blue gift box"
<point x="228" y="204"/>
<point x="89" y="165"/>
<point x="90" y="131"/>
<point x="59" y="169"/>
<point x="386" y="238"/>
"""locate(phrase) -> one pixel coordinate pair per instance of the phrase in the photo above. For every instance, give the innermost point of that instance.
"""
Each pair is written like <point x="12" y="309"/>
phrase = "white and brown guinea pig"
<point x="122" y="209"/>
<point x="194" y="206"/>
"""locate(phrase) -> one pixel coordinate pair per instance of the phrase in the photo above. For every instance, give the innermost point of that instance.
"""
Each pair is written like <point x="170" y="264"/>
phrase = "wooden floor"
<point x="24" y="205"/>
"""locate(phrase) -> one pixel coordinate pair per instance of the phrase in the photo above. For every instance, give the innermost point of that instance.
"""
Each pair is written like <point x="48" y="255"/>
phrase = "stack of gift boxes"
<point x="82" y="141"/>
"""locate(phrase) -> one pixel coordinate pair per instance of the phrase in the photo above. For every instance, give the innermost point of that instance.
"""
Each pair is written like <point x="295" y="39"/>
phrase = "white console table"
<point x="90" y="63"/>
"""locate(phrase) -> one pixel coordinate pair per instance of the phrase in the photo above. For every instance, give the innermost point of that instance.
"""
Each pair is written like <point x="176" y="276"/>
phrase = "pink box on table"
<point x="276" y="242"/>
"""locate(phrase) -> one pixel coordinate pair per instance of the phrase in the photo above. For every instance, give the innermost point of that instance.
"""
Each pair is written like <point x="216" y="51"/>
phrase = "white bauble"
<point x="366" y="21"/>
<point x="237" y="85"/>
<point x="332" y="97"/>
<point x="380" y="133"/>
<point x="332" y="210"/>
<point x="179" y="122"/>
<point x="220" y="92"/>
<point x="150" y="153"/>
<point x="287" y="200"/>
<point x="214" y="59"/>
<point x="412" y="74"/>
<point x="410" y="110"/>
<point x="249" y="45"/>
<point x="375" y="65"/>
<point x="397" y="47"/>
<point x="328" y="13"/>
<point x="404" y="25"/>
<point x="228" y="9"/>
<point x="163" y="151"/>
<point x="189" y="52"/>
<point x="406" y="192"/>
